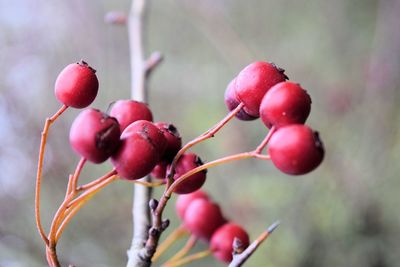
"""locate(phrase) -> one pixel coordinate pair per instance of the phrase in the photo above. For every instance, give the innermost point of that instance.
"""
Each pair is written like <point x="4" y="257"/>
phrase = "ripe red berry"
<point x="232" y="102"/>
<point x="222" y="241"/>
<point x="186" y="163"/>
<point x="296" y="149"/>
<point x="285" y="103"/>
<point x="202" y="218"/>
<point x="183" y="201"/>
<point x="254" y="81"/>
<point x="77" y="85"/>
<point x="174" y="140"/>
<point x="152" y="133"/>
<point x="129" y="111"/>
<point x="160" y="170"/>
<point x="136" y="156"/>
<point x="94" y="135"/>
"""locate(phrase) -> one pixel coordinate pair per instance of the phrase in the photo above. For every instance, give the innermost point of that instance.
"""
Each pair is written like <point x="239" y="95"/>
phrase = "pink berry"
<point x="222" y="241"/>
<point x="202" y="218"/>
<point x="174" y="140"/>
<point x="254" y="81"/>
<point x="151" y="132"/>
<point x="77" y="85"/>
<point x="232" y="102"/>
<point x="129" y="111"/>
<point x="94" y="135"/>
<point x="296" y="149"/>
<point x="186" y="163"/>
<point x="285" y="103"/>
<point x="136" y="156"/>
<point x="183" y="201"/>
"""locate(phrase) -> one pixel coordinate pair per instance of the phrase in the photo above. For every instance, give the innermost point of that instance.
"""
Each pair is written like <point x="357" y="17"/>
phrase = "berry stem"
<point x="240" y="259"/>
<point x="79" y="202"/>
<point x="208" y="134"/>
<point x="147" y="184"/>
<point x="42" y="148"/>
<point x="171" y="239"/>
<point x="265" y="141"/>
<point x="189" y="259"/>
<point x="96" y="182"/>
<point x="191" y="242"/>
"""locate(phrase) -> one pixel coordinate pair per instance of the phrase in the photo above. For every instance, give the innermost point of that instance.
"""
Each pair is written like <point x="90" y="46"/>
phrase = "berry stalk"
<point x="42" y="148"/>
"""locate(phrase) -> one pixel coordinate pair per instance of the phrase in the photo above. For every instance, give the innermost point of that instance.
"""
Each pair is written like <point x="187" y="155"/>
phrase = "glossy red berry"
<point x="160" y="170"/>
<point x="296" y="149"/>
<point x="174" y="140"/>
<point x="152" y="133"/>
<point x="94" y="135"/>
<point x="222" y="241"/>
<point x="129" y="111"/>
<point x="202" y="218"/>
<point x="232" y="102"/>
<point x="136" y="156"/>
<point x="285" y="103"/>
<point x="254" y="81"/>
<point x="186" y="163"/>
<point x="183" y="201"/>
<point x="77" y="85"/>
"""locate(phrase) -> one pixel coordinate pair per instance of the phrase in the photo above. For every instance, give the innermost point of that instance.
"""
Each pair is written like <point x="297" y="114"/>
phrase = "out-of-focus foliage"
<point x="347" y="55"/>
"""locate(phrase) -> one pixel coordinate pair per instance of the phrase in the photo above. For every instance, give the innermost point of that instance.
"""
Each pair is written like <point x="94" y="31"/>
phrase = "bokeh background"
<point x="346" y="53"/>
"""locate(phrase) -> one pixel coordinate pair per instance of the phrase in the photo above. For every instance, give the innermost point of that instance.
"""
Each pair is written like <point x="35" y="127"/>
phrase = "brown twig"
<point x="240" y="259"/>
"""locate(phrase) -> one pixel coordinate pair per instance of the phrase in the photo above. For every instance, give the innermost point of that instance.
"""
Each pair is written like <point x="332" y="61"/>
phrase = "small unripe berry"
<point x="221" y="243"/>
<point x="296" y="149"/>
<point x="152" y="133"/>
<point x="94" y="135"/>
<point x="76" y="85"/>
<point x="254" y="81"/>
<point x="136" y="156"/>
<point x="183" y="201"/>
<point x="174" y="140"/>
<point x="285" y="103"/>
<point x="129" y="111"/>
<point x="202" y="218"/>
<point x="232" y="102"/>
<point x="186" y="163"/>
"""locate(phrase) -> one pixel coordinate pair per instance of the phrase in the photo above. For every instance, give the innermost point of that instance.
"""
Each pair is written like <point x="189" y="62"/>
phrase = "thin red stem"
<point x="265" y="141"/>
<point x="42" y="148"/>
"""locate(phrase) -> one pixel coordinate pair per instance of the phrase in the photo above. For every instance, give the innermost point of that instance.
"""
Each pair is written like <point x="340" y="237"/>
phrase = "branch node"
<point x="153" y="203"/>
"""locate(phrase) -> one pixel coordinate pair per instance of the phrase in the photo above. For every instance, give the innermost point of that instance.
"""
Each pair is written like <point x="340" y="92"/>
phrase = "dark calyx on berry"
<point x="174" y="140"/>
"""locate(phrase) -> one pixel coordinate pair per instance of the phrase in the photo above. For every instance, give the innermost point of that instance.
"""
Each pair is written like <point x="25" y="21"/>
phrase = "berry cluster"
<point x="204" y="219"/>
<point x="283" y="107"/>
<point x="137" y="147"/>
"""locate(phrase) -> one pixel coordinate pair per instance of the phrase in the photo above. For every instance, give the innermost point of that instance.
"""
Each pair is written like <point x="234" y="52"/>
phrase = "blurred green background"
<point x="346" y="53"/>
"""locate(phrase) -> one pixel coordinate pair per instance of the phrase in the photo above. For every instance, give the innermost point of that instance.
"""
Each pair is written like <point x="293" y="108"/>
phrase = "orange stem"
<point x="171" y="238"/>
<point x="186" y="248"/>
<point x="42" y="148"/>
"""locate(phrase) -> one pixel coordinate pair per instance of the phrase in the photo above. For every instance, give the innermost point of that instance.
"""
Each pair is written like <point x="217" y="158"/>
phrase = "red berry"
<point x="232" y="102"/>
<point x="183" y="201"/>
<point x="285" y="103"/>
<point x="151" y="132"/>
<point x="129" y="111"/>
<point x="296" y="149"/>
<point x="203" y="217"/>
<point x="174" y="140"/>
<point x="136" y="156"/>
<point x="77" y="85"/>
<point x="186" y="163"/>
<point x="160" y="170"/>
<point x="94" y="135"/>
<point x="222" y="241"/>
<point x="254" y="81"/>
